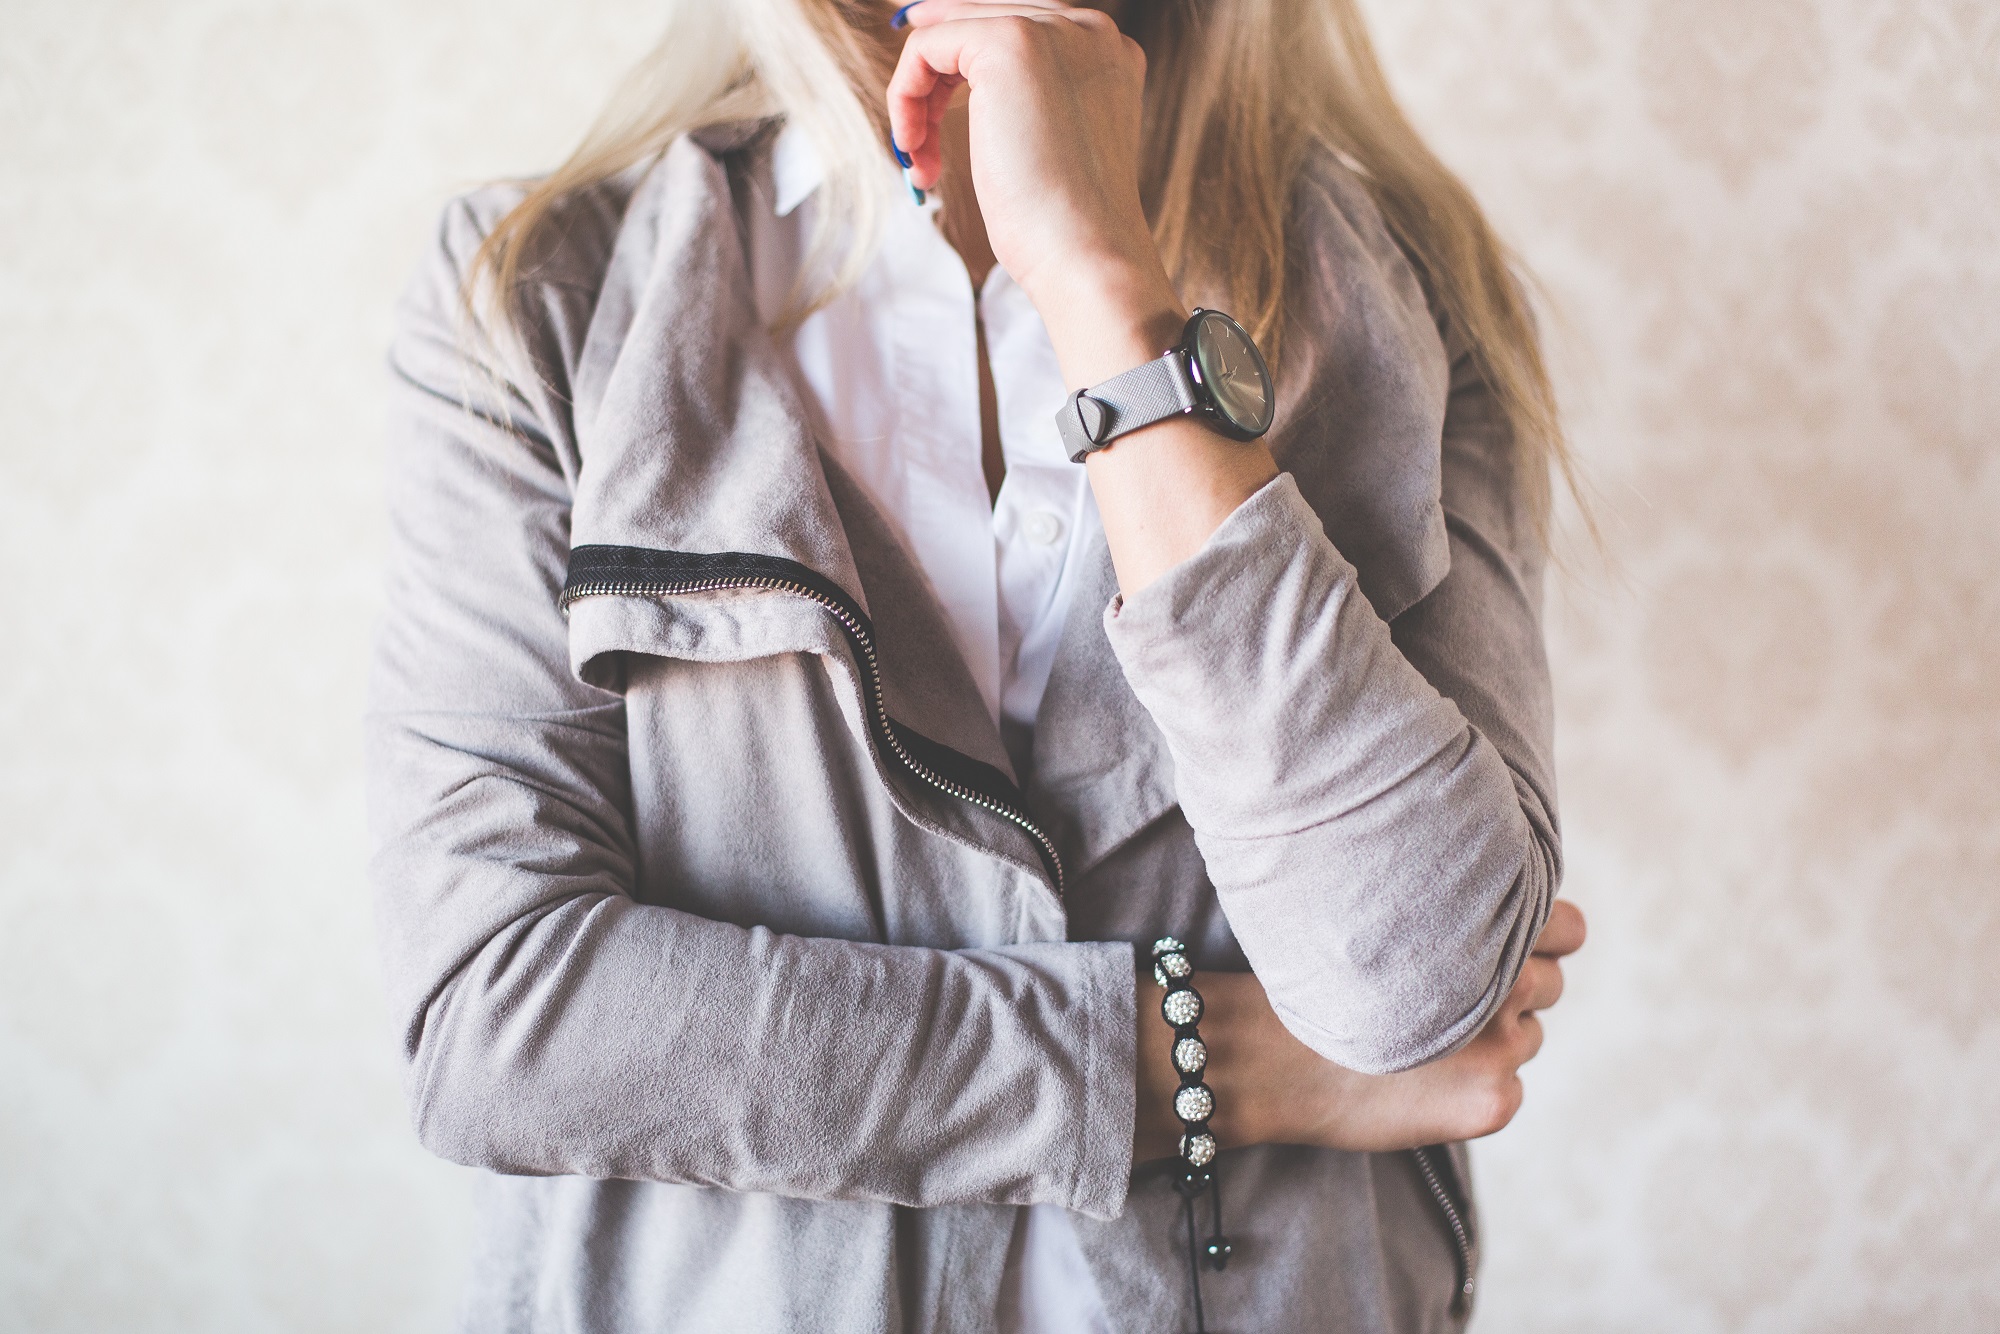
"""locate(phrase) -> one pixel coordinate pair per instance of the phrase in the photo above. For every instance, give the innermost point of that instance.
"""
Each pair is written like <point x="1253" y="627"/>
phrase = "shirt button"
<point x="1043" y="528"/>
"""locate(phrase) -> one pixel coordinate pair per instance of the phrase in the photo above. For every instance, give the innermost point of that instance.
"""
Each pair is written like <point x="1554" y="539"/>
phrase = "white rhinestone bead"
<point x="1181" y="1008"/>
<point x="1169" y="969"/>
<point x="1198" y="1150"/>
<point x="1195" y="1103"/>
<point x="1190" y="1055"/>
<point x="1168" y="945"/>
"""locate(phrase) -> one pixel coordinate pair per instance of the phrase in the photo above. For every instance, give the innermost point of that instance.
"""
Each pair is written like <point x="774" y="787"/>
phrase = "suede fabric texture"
<point x="754" y="1030"/>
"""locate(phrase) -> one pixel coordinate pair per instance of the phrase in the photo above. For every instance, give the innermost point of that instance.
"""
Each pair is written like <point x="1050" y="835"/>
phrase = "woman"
<point x="780" y="745"/>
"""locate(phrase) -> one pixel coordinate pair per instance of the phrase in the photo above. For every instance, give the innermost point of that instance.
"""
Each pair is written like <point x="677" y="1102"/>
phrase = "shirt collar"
<point x="796" y="169"/>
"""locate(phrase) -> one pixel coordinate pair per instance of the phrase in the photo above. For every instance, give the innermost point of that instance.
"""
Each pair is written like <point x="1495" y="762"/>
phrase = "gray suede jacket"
<point x="721" y="929"/>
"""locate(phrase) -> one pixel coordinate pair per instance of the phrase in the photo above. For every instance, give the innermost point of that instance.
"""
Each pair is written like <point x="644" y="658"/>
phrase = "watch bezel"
<point x="1210" y="407"/>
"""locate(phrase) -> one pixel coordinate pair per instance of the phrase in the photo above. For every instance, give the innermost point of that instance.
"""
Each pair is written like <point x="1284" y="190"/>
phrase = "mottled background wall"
<point x="1772" y="1098"/>
<point x="1769" y="1102"/>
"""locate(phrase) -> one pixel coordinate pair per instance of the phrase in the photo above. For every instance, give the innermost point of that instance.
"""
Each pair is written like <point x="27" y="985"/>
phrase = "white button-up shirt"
<point x="891" y="369"/>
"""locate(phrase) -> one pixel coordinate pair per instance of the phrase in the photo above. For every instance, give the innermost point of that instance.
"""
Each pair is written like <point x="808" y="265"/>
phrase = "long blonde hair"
<point x="1237" y="91"/>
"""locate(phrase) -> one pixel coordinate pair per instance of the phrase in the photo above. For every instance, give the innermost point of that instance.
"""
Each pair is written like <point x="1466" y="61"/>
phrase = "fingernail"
<point x="903" y="160"/>
<point x="901" y="18"/>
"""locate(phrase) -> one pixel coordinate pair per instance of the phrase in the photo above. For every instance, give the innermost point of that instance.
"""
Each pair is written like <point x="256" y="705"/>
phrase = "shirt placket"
<point x="931" y="311"/>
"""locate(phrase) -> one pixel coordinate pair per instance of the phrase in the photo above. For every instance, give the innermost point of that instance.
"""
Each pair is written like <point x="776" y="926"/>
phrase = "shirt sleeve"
<point x="552" y="1023"/>
<point x="1373" y="802"/>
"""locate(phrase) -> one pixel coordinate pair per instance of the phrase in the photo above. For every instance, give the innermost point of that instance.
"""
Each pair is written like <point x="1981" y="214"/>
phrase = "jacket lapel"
<point x="688" y="423"/>
<point x="702" y="492"/>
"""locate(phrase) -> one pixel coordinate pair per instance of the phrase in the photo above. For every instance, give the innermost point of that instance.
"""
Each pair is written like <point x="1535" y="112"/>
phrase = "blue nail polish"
<point x="903" y="160"/>
<point x="901" y="18"/>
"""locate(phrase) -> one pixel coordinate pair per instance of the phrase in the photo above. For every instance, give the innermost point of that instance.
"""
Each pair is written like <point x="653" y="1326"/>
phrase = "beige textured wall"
<point x="1768" y="1103"/>
<point x="1770" y="1100"/>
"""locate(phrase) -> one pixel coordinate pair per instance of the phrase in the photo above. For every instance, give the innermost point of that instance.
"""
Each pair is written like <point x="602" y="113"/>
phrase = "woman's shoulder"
<point x="1357" y="301"/>
<point x="1340" y="234"/>
<point x="1334" y="179"/>
<point x="572" y="248"/>
<point x="583" y="230"/>
<point x="1363" y="381"/>
<point x="568" y="262"/>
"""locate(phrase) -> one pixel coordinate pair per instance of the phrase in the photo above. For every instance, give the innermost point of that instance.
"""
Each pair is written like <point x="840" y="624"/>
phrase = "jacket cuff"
<point x="1227" y="580"/>
<point x="1103" y="1174"/>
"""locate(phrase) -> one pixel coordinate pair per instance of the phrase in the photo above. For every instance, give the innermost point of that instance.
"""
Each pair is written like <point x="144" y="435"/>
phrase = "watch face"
<point x="1234" y="371"/>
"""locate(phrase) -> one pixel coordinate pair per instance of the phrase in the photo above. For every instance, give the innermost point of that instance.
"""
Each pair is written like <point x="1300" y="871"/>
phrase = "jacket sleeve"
<point x="1374" y="802"/>
<point x="551" y="1023"/>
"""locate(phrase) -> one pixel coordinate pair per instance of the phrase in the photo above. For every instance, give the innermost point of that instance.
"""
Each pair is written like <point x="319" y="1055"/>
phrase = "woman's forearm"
<point x="553" y="1023"/>
<point x="1270" y="1088"/>
<point x="1382" y="867"/>
<point x="1162" y="491"/>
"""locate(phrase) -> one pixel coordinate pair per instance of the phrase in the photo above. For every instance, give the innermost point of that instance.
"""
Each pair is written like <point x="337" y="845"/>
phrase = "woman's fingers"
<point x="920" y="89"/>
<point x="954" y="42"/>
<point x="930" y="13"/>
<point x="1529" y="1039"/>
<point x="1539" y="986"/>
<point x="1054" y="101"/>
<point x="1473" y="1092"/>
<point x="1564" y="932"/>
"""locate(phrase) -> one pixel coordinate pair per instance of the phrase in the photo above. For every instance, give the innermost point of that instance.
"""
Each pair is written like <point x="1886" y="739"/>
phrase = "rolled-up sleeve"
<point x="1373" y="801"/>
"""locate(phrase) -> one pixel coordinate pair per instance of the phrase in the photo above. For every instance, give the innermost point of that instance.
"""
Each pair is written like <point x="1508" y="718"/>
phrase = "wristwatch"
<point x="1214" y="373"/>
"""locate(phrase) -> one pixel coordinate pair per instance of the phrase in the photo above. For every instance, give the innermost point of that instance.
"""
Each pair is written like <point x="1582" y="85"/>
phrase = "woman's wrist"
<point x="1250" y="1086"/>
<point x="1163" y="490"/>
<point x="1258" y="1098"/>
<point x="1105" y="317"/>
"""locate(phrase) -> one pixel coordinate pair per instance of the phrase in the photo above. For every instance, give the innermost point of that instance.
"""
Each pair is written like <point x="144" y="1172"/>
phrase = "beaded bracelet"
<point x="1194" y="1104"/>
<point x="1194" y="1101"/>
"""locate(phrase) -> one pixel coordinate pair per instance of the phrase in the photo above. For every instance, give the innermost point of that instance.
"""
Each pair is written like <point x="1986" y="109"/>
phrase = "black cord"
<point x="1218" y="1248"/>
<point x="1194" y="1103"/>
<point x="1189" y="1188"/>
<point x="1190" y="1183"/>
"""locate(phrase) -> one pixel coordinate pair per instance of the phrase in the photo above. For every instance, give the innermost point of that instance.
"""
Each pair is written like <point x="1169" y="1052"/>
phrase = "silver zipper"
<point x="1451" y="1217"/>
<point x="878" y="703"/>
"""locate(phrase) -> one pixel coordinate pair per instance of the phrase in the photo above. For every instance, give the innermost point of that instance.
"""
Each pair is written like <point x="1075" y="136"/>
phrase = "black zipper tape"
<point x="609" y="571"/>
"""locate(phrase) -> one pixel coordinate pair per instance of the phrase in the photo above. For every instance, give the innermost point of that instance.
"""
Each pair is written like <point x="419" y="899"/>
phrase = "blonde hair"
<point x="1237" y="92"/>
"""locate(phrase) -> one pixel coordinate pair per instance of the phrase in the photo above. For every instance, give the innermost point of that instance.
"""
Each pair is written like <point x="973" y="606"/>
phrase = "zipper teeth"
<point x="1451" y="1216"/>
<point x="879" y="706"/>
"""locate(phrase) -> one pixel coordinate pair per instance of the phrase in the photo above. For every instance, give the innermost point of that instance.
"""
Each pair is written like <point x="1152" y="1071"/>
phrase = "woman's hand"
<point x="1053" y="110"/>
<point x="1271" y="1089"/>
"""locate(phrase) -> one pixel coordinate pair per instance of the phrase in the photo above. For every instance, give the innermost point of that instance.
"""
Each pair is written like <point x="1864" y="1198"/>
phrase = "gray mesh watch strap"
<point x="1092" y="418"/>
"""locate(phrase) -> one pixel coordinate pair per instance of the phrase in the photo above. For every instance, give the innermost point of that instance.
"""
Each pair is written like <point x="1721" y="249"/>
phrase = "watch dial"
<point x="1234" y="372"/>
